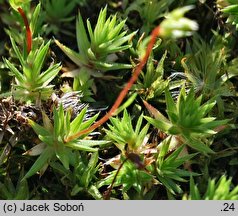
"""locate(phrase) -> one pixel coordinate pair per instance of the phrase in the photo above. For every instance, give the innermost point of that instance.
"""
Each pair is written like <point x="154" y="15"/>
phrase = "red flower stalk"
<point x="28" y="30"/>
<point x="125" y="90"/>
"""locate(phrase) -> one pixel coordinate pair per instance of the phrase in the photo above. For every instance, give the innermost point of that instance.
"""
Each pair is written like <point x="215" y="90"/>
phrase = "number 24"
<point x="228" y="207"/>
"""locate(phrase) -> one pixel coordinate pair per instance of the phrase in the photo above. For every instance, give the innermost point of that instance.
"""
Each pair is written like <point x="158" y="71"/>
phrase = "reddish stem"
<point x="109" y="191"/>
<point x="28" y="30"/>
<point x="125" y="90"/>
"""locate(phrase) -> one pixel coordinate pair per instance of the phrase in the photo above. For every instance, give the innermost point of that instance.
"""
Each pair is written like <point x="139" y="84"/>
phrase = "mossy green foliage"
<point x="174" y="136"/>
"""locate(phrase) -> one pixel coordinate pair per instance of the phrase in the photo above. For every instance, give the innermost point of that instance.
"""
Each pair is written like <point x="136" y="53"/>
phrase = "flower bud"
<point x="176" y="25"/>
<point x="15" y="4"/>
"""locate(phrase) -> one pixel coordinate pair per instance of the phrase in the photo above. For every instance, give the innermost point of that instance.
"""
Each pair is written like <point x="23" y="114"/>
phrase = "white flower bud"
<point x="15" y="4"/>
<point x="176" y="25"/>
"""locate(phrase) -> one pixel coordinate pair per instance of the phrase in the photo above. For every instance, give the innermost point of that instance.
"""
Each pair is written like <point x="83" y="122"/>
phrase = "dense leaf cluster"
<point x="63" y="64"/>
